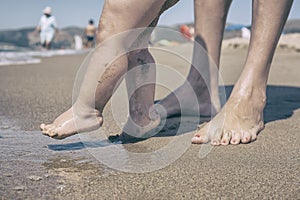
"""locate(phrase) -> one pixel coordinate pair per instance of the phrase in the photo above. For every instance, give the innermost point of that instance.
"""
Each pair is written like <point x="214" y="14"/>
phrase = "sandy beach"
<point x="37" y="167"/>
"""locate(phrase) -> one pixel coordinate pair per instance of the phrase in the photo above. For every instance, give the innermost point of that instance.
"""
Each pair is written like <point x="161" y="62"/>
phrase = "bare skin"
<point x="240" y="99"/>
<point x="140" y="83"/>
<point x="86" y="113"/>
<point x="210" y="18"/>
<point x="241" y="118"/>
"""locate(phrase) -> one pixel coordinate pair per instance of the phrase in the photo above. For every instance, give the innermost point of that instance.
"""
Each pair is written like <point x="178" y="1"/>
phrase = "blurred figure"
<point x="47" y="28"/>
<point x="246" y="33"/>
<point x="78" y="42"/>
<point x="185" y="31"/>
<point x="90" y="32"/>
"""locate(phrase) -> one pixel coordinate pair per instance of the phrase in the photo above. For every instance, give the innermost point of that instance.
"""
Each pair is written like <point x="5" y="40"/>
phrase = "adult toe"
<point x="226" y="137"/>
<point x="216" y="137"/>
<point x="253" y="135"/>
<point x="200" y="138"/>
<point x="246" y="137"/>
<point x="201" y="135"/>
<point x="235" y="137"/>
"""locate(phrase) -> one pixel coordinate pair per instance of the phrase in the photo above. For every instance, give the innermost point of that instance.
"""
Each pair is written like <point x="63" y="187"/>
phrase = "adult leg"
<point x="210" y="18"/>
<point x="241" y="118"/>
<point x="86" y="113"/>
<point x="48" y="40"/>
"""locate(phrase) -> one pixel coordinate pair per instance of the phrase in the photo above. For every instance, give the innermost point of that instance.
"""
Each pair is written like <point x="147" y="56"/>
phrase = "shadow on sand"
<point x="281" y="103"/>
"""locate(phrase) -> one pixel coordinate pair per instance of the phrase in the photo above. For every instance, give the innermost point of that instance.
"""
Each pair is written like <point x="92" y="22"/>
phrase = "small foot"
<point x="68" y="124"/>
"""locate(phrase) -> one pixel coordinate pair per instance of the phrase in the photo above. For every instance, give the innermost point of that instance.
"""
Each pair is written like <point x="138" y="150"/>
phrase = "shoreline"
<point x="286" y="42"/>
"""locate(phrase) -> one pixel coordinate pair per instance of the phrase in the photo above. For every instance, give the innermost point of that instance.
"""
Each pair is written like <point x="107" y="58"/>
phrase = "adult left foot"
<point x="181" y="102"/>
<point x="239" y="121"/>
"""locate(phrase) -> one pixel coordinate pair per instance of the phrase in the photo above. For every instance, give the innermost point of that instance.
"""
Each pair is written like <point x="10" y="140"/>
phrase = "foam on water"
<point x="31" y="57"/>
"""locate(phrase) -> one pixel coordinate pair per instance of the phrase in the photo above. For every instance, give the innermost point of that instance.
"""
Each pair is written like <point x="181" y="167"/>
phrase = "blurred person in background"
<point x="47" y="28"/>
<point x="90" y="32"/>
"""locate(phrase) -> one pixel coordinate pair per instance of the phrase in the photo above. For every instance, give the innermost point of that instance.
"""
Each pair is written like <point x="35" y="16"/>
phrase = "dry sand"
<point x="288" y="41"/>
<point x="36" y="167"/>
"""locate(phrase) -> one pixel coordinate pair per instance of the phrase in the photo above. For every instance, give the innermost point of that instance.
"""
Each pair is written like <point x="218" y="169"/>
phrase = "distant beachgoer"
<point x="78" y="42"/>
<point x="47" y="28"/>
<point x="185" y="31"/>
<point x="246" y="33"/>
<point x="90" y="32"/>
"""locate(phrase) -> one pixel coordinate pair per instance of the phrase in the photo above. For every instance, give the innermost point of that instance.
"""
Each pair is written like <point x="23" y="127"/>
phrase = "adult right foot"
<point x="239" y="121"/>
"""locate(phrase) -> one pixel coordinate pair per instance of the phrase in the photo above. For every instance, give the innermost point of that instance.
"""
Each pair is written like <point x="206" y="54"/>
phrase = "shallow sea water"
<point x="30" y="163"/>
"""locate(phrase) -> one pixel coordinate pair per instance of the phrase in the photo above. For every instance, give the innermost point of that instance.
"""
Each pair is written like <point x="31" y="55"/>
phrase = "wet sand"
<point x="37" y="167"/>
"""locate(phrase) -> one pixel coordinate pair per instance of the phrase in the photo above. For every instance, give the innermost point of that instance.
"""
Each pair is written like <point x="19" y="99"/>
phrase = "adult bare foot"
<point x="70" y="123"/>
<point x="180" y="102"/>
<point x="240" y="120"/>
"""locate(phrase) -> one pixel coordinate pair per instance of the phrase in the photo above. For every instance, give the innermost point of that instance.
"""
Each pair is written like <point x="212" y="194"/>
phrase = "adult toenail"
<point x="234" y="142"/>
